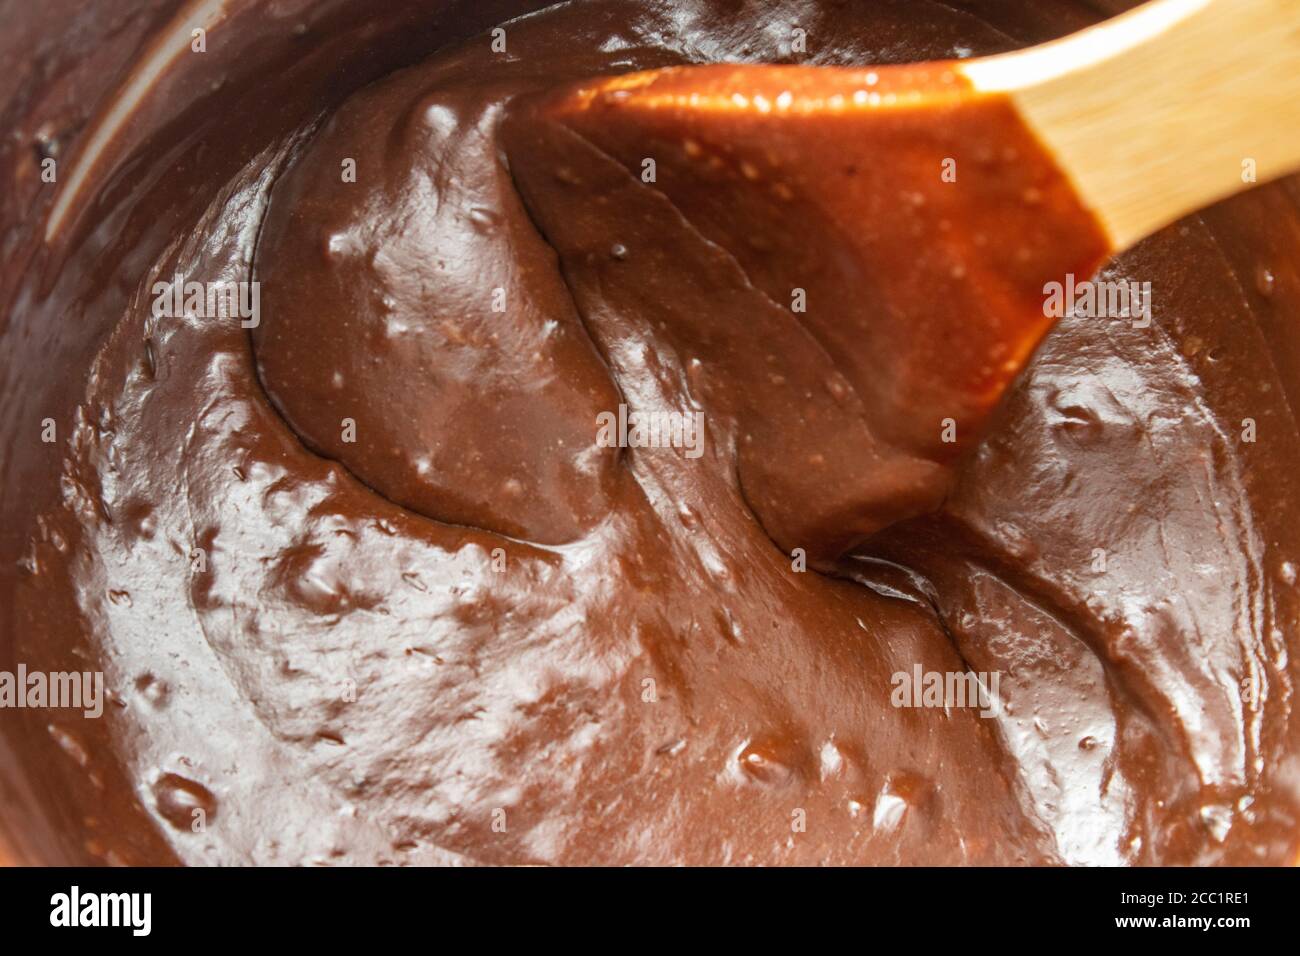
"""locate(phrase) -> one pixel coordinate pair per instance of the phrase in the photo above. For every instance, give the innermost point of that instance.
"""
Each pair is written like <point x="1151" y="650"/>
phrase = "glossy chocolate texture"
<point x="474" y="635"/>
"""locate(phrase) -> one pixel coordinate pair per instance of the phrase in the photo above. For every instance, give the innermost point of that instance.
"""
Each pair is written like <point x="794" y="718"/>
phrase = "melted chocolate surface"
<point x="465" y="632"/>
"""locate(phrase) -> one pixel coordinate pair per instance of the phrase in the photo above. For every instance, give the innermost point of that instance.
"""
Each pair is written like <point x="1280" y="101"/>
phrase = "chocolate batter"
<point x="365" y="588"/>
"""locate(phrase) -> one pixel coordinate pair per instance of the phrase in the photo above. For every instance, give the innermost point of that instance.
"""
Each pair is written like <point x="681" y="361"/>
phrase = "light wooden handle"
<point x="1165" y="109"/>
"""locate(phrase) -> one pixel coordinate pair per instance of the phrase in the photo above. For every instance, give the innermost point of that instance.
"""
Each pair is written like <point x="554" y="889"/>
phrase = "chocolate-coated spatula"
<point x="914" y="216"/>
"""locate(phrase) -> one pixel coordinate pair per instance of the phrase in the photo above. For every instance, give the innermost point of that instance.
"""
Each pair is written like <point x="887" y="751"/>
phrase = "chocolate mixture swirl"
<point x="365" y="587"/>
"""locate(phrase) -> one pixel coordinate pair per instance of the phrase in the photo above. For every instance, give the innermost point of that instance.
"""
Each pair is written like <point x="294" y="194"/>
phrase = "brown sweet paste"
<point x="473" y="635"/>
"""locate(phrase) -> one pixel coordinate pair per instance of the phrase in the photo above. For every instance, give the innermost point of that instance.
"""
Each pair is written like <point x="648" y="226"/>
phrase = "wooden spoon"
<point x="915" y="216"/>
<point x="1163" y="110"/>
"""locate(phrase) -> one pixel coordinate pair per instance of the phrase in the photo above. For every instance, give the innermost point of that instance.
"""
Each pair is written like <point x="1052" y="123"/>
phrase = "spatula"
<point x="916" y="217"/>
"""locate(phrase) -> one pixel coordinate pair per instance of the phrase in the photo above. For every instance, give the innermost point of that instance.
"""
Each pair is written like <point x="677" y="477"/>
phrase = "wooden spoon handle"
<point x="1165" y="109"/>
